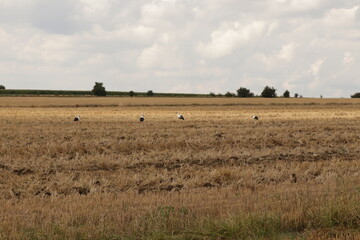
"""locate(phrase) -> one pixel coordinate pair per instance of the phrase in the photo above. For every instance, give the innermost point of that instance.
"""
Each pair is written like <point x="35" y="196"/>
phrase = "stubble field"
<point x="294" y="174"/>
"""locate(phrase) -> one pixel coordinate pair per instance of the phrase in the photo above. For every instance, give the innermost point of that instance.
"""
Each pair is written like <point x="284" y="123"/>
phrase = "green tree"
<point x="212" y="94"/>
<point x="244" y="92"/>
<point x="131" y="93"/>
<point x="286" y="94"/>
<point x="229" y="94"/>
<point x="296" y="95"/>
<point x="99" y="89"/>
<point x="356" y="95"/>
<point x="2" y="87"/>
<point x="268" y="92"/>
<point x="150" y="93"/>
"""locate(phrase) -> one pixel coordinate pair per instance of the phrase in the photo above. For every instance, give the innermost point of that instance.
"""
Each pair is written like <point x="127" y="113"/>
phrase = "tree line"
<point x="99" y="90"/>
<point x="268" y="92"/>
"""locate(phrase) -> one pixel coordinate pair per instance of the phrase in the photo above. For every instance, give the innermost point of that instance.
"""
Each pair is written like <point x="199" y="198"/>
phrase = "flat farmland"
<point x="293" y="174"/>
<point x="163" y="101"/>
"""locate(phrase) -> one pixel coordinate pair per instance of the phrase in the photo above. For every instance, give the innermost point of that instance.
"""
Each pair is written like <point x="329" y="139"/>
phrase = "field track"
<point x="112" y="176"/>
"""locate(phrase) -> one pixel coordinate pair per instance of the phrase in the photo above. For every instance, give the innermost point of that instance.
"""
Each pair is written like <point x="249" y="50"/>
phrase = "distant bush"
<point x="212" y="94"/>
<point x="286" y="94"/>
<point x="268" y="92"/>
<point x="150" y="93"/>
<point x="99" y="89"/>
<point x="229" y="94"/>
<point x="356" y="95"/>
<point x="2" y="87"/>
<point x="296" y="95"/>
<point x="131" y="93"/>
<point x="244" y="92"/>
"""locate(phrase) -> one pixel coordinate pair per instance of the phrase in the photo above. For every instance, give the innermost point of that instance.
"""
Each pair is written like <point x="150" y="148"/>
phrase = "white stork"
<point x="77" y="118"/>
<point x="255" y="117"/>
<point x="180" y="116"/>
<point x="142" y="118"/>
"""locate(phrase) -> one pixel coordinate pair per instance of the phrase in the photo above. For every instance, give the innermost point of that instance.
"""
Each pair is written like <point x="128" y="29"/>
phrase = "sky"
<point x="310" y="47"/>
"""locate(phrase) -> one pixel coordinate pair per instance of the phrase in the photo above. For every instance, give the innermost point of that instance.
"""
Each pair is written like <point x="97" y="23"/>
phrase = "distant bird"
<point x="255" y="117"/>
<point x="180" y="116"/>
<point x="142" y="118"/>
<point x="77" y="118"/>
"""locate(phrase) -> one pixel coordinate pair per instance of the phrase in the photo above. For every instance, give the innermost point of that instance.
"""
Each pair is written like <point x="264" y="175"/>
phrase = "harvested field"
<point x="293" y="174"/>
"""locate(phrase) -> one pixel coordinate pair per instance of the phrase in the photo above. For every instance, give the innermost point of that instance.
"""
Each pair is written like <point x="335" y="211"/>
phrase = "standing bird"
<point x="180" y="116"/>
<point x="255" y="117"/>
<point x="77" y="118"/>
<point x="142" y="118"/>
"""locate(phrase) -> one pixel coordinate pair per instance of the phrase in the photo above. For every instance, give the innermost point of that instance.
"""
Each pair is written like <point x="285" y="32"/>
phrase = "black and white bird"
<point x="255" y="117"/>
<point x="142" y="118"/>
<point x="180" y="116"/>
<point x="77" y="118"/>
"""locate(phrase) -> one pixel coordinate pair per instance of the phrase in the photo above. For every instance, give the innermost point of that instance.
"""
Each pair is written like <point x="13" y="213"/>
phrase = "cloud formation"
<point x="310" y="47"/>
<point x="231" y="36"/>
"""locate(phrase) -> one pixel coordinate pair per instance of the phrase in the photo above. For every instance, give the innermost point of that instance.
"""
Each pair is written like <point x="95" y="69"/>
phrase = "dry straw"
<point x="218" y="174"/>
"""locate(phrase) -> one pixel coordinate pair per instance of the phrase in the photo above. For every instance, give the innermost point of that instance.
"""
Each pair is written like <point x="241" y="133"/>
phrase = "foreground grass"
<point x="332" y="219"/>
<point x="300" y="216"/>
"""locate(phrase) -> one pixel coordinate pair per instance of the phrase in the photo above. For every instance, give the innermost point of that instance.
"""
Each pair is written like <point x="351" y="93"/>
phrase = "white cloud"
<point x="159" y="56"/>
<point x="159" y="13"/>
<point x="316" y="67"/>
<point x="198" y="46"/>
<point x="139" y="33"/>
<point x="150" y="57"/>
<point x="93" y="60"/>
<point x="153" y="10"/>
<point x="93" y="7"/>
<point x="5" y="37"/>
<point x="54" y="49"/>
<point x="287" y="52"/>
<point x="284" y="56"/>
<point x="341" y="16"/>
<point x="295" y="5"/>
<point x="313" y="74"/>
<point x="348" y="59"/>
<point x="272" y="27"/>
<point x="229" y="37"/>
